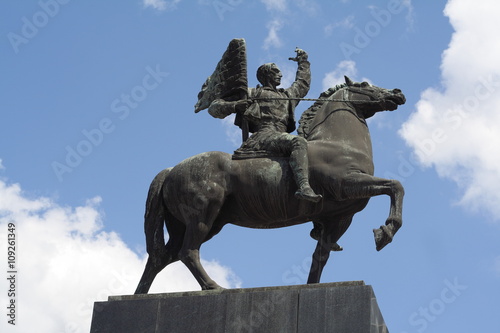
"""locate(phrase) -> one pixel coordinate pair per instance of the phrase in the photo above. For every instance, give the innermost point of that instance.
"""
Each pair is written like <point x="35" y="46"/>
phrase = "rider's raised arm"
<point x="300" y="87"/>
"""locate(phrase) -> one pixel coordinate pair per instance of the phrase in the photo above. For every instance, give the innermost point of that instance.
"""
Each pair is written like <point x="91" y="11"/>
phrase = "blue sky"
<point x="97" y="97"/>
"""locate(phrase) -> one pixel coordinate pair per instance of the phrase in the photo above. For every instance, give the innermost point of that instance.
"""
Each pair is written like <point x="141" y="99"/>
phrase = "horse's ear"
<point x="348" y="81"/>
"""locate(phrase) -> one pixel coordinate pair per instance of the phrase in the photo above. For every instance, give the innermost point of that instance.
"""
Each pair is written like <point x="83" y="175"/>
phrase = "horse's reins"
<point x="301" y="99"/>
<point x="313" y="99"/>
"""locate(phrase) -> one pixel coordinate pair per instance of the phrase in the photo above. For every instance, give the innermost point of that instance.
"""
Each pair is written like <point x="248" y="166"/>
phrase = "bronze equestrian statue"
<point x="259" y="189"/>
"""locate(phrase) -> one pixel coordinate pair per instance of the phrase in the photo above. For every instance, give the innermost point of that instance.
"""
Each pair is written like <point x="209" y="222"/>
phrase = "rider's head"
<point x="269" y="74"/>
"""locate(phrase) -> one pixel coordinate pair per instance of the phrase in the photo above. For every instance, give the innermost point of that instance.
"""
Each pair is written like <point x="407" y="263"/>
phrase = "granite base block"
<point x="343" y="307"/>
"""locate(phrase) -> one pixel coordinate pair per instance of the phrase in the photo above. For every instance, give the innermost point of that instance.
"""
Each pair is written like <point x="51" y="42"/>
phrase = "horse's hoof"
<point x="213" y="286"/>
<point x="336" y="247"/>
<point x="382" y="237"/>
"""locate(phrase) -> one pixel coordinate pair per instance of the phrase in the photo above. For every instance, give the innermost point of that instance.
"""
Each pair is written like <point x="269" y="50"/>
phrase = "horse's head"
<point x="369" y="99"/>
<point x="361" y="98"/>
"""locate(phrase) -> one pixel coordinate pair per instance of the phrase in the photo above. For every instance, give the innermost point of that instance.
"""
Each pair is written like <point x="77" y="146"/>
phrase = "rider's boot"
<point x="300" y="168"/>
<point x="305" y="192"/>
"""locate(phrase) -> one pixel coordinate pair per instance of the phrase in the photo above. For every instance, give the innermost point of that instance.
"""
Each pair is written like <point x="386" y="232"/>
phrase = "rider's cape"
<point x="229" y="79"/>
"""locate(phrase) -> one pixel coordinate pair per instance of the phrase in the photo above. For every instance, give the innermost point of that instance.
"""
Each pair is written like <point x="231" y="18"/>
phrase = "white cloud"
<point x="272" y="39"/>
<point x="161" y="4"/>
<point x="1" y="165"/>
<point x="456" y="129"/>
<point x="288" y="70"/>
<point x="233" y="132"/>
<point x="345" y="67"/>
<point x="410" y="16"/>
<point x="278" y="9"/>
<point x="346" y="23"/>
<point x="309" y="7"/>
<point x="275" y="5"/>
<point x="66" y="262"/>
<point x="282" y="15"/>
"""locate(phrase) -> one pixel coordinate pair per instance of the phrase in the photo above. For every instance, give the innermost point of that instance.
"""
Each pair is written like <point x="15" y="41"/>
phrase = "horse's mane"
<point x="310" y="113"/>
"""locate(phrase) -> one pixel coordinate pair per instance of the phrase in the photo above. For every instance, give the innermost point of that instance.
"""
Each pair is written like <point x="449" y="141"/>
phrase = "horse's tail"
<point x="154" y="218"/>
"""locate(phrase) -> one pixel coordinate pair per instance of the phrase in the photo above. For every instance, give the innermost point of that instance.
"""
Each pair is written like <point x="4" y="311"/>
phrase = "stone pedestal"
<point x="344" y="307"/>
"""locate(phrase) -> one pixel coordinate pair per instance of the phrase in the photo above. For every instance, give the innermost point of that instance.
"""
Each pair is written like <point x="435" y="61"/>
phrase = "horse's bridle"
<point x="358" y="91"/>
<point x="351" y="109"/>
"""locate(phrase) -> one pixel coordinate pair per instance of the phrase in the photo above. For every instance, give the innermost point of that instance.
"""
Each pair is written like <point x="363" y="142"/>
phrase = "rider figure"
<point x="270" y="113"/>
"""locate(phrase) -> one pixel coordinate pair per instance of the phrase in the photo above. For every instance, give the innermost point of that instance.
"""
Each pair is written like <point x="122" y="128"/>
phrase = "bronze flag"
<point x="229" y="80"/>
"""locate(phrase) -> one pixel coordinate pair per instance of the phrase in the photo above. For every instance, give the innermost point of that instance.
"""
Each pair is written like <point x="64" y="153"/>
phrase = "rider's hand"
<point x="301" y="55"/>
<point x="242" y="105"/>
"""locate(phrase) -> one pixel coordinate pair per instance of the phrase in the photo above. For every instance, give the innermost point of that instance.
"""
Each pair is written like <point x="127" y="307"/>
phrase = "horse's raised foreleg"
<point x="331" y="231"/>
<point x="359" y="185"/>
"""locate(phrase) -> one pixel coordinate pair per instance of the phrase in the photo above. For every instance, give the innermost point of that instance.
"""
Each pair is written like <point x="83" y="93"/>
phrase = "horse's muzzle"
<point x="398" y="96"/>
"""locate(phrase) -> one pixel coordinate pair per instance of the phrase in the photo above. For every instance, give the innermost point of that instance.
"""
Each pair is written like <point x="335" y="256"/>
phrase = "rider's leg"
<point x="300" y="166"/>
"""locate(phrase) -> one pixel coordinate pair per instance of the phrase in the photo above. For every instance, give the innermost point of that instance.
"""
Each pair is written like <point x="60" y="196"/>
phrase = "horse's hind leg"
<point x="153" y="267"/>
<point x="199" y="227"/>
<point x="157" y="261"/>
<point x="150" y="272"/>
<point x="190" y="256"/>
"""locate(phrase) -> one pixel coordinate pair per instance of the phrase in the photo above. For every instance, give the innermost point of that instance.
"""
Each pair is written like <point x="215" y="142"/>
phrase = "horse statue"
<point x="200" y="195"/>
